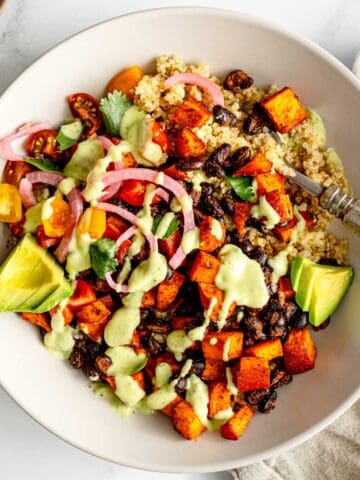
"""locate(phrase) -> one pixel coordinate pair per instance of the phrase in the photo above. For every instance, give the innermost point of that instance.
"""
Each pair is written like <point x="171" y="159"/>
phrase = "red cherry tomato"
<point x="160" y="136"/>
<point x="133" y="192"/>
<point x="83" y="295"/>
<point x="42" y="143"/>
<point x="14" y="172"/>
<point x="84" y="106"/>
<point x="43" y="240"/>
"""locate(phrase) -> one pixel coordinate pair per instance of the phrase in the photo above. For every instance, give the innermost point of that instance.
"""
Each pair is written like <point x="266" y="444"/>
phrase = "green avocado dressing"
<point x="117" y="405"/>
<point x="78" y="258"/>
<point x="216" y="229"/>
<point x="164" y="224"/>
<point x="177" y="342"/>
<point x="60" y="340"/>
<point x="241" y="280"/>
<point x="148" y="273"/>
<point x="119" y="330"/>
<point x="264" y="209"/>
<point x="198" y="396"/>
<point x="191" y="240"/>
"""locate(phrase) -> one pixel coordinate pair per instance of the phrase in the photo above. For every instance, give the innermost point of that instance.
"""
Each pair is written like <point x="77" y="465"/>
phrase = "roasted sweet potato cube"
<point x="107" y="301"/>
<point x="299" y="351"/>
<point x="181" y="323"/>
<point x="128" y="160"/>
<point x="259" y="164"/>
<point x="40" y="319"/>
<point x="111" y="381"/>
<point x="309" y="220"/>
<point x="241" y="215"/>
<point x="212" y="234"/>
<point x="149" y="297"/>
<point x="283" y="233"/>
<point x="204" y="268"/>
<point x="219" y="398"/>
<point x="207" y="292"/>
<point x="66" y="313"/>
<point x="284" y="110"/>
<point x="236" y="426"/>
<point x="268" y="349"/>
<point x="168" y="291"/>
<point x="252" y="373"/>
<point x="139" y="379"/>
<point x="136" y="342"/>
<point x="268" y="182"/>
<point x="223" y="345"/>
<point x="123" y="251"/>
<point x="176" y="173"/>
<point x="186" y="421"/>
<point x="92" y="319"/>
<point x="152" y="363"/>
<point x="214" y="370"/>
<point x="281" y="203"/>
<point x="188" y="144"/>
<point x="168" y="410"/>
<point x="190" y="113"/>
<point x="285" y="288"/>
<point x="169" y="246"/>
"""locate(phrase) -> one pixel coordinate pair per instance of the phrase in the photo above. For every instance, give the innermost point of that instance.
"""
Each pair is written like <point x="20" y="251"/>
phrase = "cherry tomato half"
<point x="160" y="136"/>
<point x="42" y="142"/>
<point x="14" y="172"/>
<point x="133" y="192"/>
<point x="84" y="106"/>
<point x="83" y="295"/>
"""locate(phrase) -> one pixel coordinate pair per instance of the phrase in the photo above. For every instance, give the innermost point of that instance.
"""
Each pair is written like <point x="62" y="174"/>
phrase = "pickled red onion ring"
<point x="105" y="142"/>
<point x="6" y="143"/>
<point x="26" y="193"/>
<point x="45" y="177"/>
<point x="199" y="81"/>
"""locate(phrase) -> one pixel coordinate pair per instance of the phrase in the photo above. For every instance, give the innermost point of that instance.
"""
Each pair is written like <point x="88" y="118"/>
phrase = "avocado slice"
<point x="84" y="158"/>
<point x="296" y="268"/>
<point x="328" y="291"/>
<point x="28" y="275"/>
<point x="63" y="292"/>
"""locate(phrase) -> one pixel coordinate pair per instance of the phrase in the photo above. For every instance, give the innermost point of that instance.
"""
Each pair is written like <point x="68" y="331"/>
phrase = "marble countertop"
<point x="27" y="29"/>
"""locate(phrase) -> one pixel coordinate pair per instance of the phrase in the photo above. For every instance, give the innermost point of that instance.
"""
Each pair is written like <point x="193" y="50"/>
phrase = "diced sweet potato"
<point x="108" y="302"/>
<point x="149" y="298"/>
<point x="152" y="363"/>
<point x="180" y="323"/>
<point x="268" y="349"/>
<point x="66" y="313"/>
<point x="236" y="426"/>
<point x="168" y="410"/>
<point x="40" y="319"/>
<point x="136" y="342"/>
<point x="168" y="291"/>
<point x="283" y="233"/>
<point x="219" y="398"/>
<point x="241" y="215"/>
<point x="284" y="110"/>
<point x="111" y="381"/>
<point x="139" y="379"/>
<point x="259" y="164"/>
<point x="169" y="246"/>
<point x="285" y="288"/>
<point x="190" y="113"/>
<point x="281" y="203"/>
<point x="186" y="421"/>
<point x="207" y="292"/>
<point x="128" y="160"/>
<point x="204" y="268"/>
<point x="252" y="373"/>
<point x="176" y="173"/>
<point x="123" y="251"/>
<point x="309" y="220"/>
<point x="299" y="351"/>
<point x="214" y="370"/>
<point x="209" y="238"/>
<point x="268" y="182"/>
<point x="188" y="144"/>
<point x="223" y="345"/>
<point x="92" y="319"/>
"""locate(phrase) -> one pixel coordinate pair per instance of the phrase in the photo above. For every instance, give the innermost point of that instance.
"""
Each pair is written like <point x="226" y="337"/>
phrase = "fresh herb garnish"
<point x="242" y="186"/>
<point x="174" y="224"/>
<point x="44" y="164"/>
<point x="102" y="256"/>
<point x="113" y="107"/>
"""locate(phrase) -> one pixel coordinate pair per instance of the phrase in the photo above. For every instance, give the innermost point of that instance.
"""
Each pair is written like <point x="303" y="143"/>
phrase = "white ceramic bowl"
<point x="55" y="394"/>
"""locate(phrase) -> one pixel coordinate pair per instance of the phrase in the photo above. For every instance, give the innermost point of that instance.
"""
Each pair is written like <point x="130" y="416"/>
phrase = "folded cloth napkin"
<point x="333" y="454"/>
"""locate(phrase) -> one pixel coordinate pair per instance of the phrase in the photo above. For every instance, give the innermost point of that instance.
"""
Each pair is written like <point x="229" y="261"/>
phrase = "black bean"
<point x="208" y="204"/>
<point x="157" y="325"/>
<point x="258" y="254"/>
<point x="290" y="309"/>
<point x="213" y="169"/>
<point x="238" y="78"/>
<point x="255" y="120"/>
<point x="240" y="157"/>
<point x="322" y="326"/>
<point x="213" y="166"/>
<point x="198" y="361"/>
<point x="181" y="385"/>
<point x="223" y="116"/>
<point x="256" y="396"/>
<point x="279" y="378"/>
<point x="152" y="345"/>
<point x="268" y="404"/>
<point x="195" y="197"/>
<point x="190" y="163"/>
<point x="257" y="224"/>
<point x="299" y="320"/>
<point x="76" y="358"/>
<point x="278" y="331"/>
<point x="228" y="204"/>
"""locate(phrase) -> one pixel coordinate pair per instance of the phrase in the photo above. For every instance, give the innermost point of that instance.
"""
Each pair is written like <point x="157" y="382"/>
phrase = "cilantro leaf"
<point x="242" y="186"/>
<point x="113" y="107"/>
<point x="102" y="254"/>
<point x="44" y="164"/>
<point x="174" y="224"/>
<point x="156" y="222"/>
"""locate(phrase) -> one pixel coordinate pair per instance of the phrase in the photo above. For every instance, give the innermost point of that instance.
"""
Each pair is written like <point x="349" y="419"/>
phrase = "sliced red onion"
<point x="6" y="143"/>
<point x="76" y="208"/>
<point x="162" y="194"/>
<point x="170" y="184"/>
<point x="105" y="142"/>
<point x="112" y="189"/>
<point x="45" y="177"/>
<point x="26" y="193"/>
<point x="200" y="81"/>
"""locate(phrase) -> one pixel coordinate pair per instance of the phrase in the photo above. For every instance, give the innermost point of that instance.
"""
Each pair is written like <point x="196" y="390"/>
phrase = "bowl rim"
<point x="282" y="447"/>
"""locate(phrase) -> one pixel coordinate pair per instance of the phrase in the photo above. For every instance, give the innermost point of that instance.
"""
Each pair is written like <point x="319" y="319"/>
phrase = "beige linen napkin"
<point x="333" y="454"/>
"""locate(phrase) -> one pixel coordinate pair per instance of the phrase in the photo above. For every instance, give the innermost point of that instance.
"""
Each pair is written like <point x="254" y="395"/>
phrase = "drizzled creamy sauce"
<point x="117" y="405"/>
<point x="216" y="229"/>
<point x="177" y="342"/>
<point x="148" y="273"/>
<point x="198" y="396"/>
<point x="191" y="240"/>
<point x="163" y="374"/>
<point x="164" y="224"/>
<point x="264" y="209"/>
<point x="66" y="185"/>
<point x="230" y="385"/>
<point x="242" y="281"/>
<point x="60" y="341"/>
<point x="145" y="221"/>
<point x="197" y="177"/>
<point x="198" y="333"/>
<point x="78" y="258"/>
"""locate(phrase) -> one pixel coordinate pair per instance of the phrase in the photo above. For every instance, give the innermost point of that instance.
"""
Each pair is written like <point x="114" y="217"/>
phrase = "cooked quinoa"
<point x="299" y="148"/>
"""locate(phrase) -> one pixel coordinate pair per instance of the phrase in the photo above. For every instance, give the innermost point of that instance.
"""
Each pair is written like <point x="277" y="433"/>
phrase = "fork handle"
<point x="343" y="206"/>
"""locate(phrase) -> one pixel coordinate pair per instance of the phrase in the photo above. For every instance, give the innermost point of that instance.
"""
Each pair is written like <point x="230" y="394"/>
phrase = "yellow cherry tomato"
<point x="92" y="222"/>
<point x="10" y="203"/>
<point x="55" y="215"/>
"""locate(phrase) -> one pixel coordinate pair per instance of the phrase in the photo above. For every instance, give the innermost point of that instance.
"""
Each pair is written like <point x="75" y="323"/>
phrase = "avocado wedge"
<point x="63" y="292"/>
<point x="319" y="288"/>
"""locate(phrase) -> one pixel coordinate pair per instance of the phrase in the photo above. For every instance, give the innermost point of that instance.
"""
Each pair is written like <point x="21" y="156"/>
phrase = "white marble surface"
<point x="27" y="29"/>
